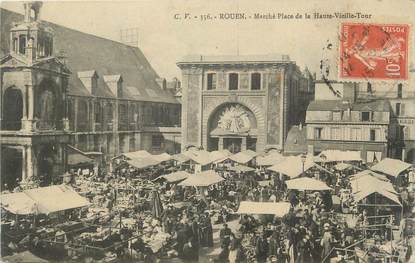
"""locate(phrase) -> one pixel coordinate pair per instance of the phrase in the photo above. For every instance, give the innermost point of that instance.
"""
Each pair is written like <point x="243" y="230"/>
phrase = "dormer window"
<point x="22" y="44"/>
<point x="366" y="116"/>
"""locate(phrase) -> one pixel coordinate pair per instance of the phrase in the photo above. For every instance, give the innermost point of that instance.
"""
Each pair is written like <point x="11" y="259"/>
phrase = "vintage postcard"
<point x="207" y="131"/>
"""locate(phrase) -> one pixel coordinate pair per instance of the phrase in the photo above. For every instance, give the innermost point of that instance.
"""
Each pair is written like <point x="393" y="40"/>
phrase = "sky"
<point x="164" y="39"/>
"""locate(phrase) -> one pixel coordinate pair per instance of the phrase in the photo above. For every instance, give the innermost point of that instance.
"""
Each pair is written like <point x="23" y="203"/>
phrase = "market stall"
<point x="293" y="166"/>
<point x="269" y="159"/>
<point x="332" y="156"/>
<point x="202" y="179"/>
<point x="279" y="209"/>
<point x="307" y="184"/>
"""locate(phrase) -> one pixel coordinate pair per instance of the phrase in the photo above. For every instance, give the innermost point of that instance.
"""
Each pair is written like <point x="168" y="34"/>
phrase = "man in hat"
<point x="326" y="241"/>
<point x="261" y="248"/>
<point x="225" y="235"/>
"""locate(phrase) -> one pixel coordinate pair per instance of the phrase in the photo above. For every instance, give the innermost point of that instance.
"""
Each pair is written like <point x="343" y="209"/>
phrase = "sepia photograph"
<point x="207" y="131"/>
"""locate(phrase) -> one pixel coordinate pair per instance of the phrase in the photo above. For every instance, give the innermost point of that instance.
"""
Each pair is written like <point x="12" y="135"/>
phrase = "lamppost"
<point x="303" y="159"/>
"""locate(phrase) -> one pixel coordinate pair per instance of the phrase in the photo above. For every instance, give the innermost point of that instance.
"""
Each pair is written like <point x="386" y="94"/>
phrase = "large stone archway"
<point x="13" y="109"/>
<point x="215" y="138"/>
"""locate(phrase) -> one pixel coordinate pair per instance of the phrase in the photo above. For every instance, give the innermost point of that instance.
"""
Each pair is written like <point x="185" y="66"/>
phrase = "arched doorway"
<point x="12" y="109"/>
<point x="11" y="167"/>
<point x="232" y="126"/>
<point x="46" y="163"/>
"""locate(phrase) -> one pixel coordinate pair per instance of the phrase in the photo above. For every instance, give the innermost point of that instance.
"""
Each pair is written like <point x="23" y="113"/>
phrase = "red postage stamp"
<point x="374" y="51"/>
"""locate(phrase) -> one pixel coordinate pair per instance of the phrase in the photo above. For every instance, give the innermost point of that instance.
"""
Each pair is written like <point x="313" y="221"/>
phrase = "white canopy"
<point x="43" y="200"/>
<point x="181" y="158"/>
<point x="18" y="203"/>
<point x="307" y="184"/>
<point x="364" y="173"/>
<point x="367" y="192"/>
<point x="292" y="166"/>
<point x="391" y="167"/>
<point x="264" y="208"/>
<point x="143" y="159"/>
<point x="269" y="159"/>
<point x="219" y="156"/>
<point x="369" y="181"/>
<point x="343" y="166"/>
<point x="137" y="154"/>
<point x="176" y="176"/>
<point x="243" y="157"/>
<point x="143" y="163"/>
<point x="338" y="156"/>
<point x="201" y="157"/>
<point x="205" y="178"/>
<point x="241" y="168"/>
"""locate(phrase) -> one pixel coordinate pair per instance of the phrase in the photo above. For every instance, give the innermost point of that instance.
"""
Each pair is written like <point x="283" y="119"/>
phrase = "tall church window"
<point x="47" y="110"/>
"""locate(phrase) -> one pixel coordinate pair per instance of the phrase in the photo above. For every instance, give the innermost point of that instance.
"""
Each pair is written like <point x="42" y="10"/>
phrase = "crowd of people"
<point x="137" y="216"/>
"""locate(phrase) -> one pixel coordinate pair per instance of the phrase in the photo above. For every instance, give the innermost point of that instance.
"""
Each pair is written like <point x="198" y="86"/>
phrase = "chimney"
<point x="34" y="6"/>
<point x="62" y="57"/>
<point x="89" y="80"/>
<point x="349" y="92"/>
<point x="162" y="83"/>
<point x="114" y="82"/>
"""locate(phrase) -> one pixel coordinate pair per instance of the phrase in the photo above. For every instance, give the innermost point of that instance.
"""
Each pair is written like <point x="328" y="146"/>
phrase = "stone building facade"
<point x="397" y="127"/>
<point x="350" y="126"/>
<point x="239" y="102"/>
<point x="63" y="87"/>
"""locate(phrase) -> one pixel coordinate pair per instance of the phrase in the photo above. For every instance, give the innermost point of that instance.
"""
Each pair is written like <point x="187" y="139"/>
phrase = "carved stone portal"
<point x="234" y="119"/>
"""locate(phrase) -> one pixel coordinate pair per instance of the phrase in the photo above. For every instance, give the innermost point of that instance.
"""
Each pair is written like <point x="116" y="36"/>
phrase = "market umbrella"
<point x="241" y="168"/>
<point x="307" y="184"/>
<point x="205" y="178"/>
<point x="156" y="206"/>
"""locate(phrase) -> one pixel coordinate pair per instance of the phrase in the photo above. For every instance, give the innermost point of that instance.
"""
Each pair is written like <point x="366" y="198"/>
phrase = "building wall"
<point x="275" y="104"/>
<point x="114" y="126"/>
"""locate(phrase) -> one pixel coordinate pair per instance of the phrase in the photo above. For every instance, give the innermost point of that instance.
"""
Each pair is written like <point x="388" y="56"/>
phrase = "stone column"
<point x="24" y="164"/>
<point x="29" y="163"/>
<point x="220" y="144"/>
<point x="243" y="144"/>
<point x="28" y="123"/>
<point x="75" y="115"/>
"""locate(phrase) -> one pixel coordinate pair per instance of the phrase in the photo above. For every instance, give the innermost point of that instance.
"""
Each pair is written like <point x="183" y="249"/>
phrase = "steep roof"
<point x="332" y="105"/>
<point x="88" y="52"/>
<point x="237" y="58"/>
<point x="296" y="141"/>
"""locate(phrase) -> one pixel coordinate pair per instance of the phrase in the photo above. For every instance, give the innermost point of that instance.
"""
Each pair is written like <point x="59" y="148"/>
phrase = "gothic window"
<point x="82" y="115"/>
<point x="47" y="110"/>
<point x="98" y="115"/>
<point x="109" y="113"/>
